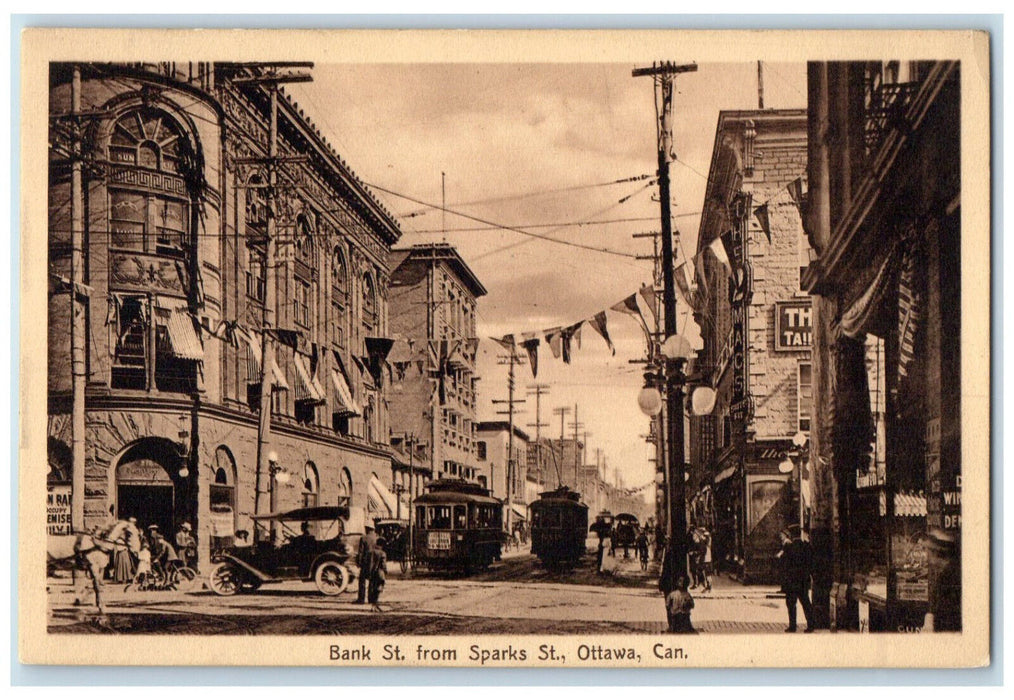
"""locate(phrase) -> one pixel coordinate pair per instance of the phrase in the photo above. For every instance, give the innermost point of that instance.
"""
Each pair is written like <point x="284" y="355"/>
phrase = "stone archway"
<point x="149" y="486"/>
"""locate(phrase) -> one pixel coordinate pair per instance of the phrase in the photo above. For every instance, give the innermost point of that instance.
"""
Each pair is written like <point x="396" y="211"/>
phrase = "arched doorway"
<point x="149" y="487"/>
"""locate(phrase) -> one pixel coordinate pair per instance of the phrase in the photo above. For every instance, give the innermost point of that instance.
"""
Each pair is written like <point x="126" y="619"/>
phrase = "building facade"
<point x="755" y="325"/>
<point x="503" y="466"/>
<point x="175" y="225"/>
<point x="883" y="211"/>
<point x="433" y="318"/>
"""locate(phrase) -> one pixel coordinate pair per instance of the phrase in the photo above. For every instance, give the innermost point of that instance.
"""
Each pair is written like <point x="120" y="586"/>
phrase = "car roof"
<point x="308" y="513"/>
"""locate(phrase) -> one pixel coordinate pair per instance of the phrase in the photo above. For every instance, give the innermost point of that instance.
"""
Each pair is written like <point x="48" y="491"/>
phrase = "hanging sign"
<point x="793" y="325"/>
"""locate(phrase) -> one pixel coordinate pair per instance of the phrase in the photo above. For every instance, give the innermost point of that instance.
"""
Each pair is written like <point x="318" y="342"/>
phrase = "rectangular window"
<point x="480" y="449"/>
<point x="306" y="412"/>
<point x="256" y="274"/>
<point x="147" y="223"/>
<point x="130" y="357"/>
<point x="127" y="216"/>
<point x="804" y="393"/>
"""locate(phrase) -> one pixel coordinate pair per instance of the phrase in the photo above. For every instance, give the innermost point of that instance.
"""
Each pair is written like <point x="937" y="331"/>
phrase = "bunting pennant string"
<point x="647" y="293"/>
<point x="764" y="220"/>
<point x="598" y="322"/>
<point x="531" y="346"/>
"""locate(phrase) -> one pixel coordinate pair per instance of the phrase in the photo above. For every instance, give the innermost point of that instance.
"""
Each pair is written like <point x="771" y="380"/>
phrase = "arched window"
<point x="339" y="272"/>
<point x="305" y="273"/>
<point x="311" y="485"/>
<point x="222" y="497"/>
<point x="154" y="219"/>
<point x="369" y="297"/>
<point x="344" y="496"/>
<point x="304" y="240"/>
<point x="256" y="238"/>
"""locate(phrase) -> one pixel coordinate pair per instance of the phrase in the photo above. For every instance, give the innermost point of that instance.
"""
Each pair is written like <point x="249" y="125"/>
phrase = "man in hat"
<point x="796" y="564"/>
<point x="161" y="551"/>
<point x="186" y="545"/>
<point x="364" y="560"/>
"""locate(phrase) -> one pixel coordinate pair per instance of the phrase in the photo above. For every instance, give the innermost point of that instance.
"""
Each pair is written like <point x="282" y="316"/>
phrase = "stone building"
<point x="433" y="318"/>
<point x="175" y="228"/>
<point x="754" y="320"/>
<point x="504" y="473"/>
<point x="884" y="211"/>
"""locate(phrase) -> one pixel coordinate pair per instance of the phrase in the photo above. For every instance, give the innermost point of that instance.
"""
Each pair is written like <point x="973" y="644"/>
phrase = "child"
<point x="143" y="568"/>
<point x="678" y="605"/>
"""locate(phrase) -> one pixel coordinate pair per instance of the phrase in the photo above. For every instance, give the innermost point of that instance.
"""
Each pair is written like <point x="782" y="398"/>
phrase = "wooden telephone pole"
<point x="538" y="391"/>
<point x="271" y="78"/>
<point x="664" y="75"/>
<point x="510" y="360"/>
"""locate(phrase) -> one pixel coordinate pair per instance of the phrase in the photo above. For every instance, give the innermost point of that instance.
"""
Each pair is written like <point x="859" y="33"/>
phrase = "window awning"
<point x="253" y="340"/>
<point x="306" y="388"/>
<point x="381" y="500"/>
<point x="346" y="405"/>
<point x="519" y="511"/>
<point x="857" y="318"/>
<point x="184" y="339"/>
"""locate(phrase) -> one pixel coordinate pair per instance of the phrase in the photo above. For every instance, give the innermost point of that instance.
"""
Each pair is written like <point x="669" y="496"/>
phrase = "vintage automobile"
<point x="306" y="544"/>
<point x="395" y="534"/>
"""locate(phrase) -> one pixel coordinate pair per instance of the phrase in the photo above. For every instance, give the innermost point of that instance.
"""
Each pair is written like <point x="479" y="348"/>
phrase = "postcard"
<point x="565" y="349"/>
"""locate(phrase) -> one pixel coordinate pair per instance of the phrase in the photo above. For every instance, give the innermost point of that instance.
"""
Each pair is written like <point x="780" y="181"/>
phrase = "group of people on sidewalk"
<point x="155" y="556"/>
<point x="795" y="565"/>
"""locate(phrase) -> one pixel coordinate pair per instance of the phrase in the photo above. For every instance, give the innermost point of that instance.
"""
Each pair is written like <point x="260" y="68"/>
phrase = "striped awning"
<point x="910" y="505"/>
<point x="344" y="404"/>
<point x="253" y="357"/>
<point x="184" y="340"/>
<point x="306" y="389"/>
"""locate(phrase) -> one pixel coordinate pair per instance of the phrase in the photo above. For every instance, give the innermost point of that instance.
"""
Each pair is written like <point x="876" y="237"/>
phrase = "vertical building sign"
<point x="739" y="298"/>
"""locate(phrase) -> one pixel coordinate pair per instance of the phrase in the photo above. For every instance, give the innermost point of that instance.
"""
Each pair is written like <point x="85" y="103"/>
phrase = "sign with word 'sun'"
<point x="58" y="510"/>
<point x="793" y="325"/>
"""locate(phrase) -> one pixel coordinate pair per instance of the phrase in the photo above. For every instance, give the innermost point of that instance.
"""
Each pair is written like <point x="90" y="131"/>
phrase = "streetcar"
<point x="559" y="527"/>
<point x="458" y="525"/>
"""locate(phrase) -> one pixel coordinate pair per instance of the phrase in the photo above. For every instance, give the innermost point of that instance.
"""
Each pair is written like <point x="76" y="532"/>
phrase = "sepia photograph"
<point x="594" y="349"/>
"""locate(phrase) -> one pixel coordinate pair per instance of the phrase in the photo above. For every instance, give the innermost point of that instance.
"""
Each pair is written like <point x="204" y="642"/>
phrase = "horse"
<point x="90" y="552"/>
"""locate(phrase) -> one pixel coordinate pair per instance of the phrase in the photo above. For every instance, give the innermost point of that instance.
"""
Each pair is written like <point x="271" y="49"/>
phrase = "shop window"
<point x="804" y="393"/>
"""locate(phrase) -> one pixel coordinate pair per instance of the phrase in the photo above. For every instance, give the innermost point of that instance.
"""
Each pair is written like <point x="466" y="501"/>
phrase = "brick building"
<point x="433" y="318"/>
<point x="884" y="212"/>
<point x="755" y="326"/>
<point x="175" y="228"/>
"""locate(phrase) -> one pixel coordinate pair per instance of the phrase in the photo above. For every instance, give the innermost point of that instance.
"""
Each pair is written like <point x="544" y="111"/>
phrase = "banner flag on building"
<point x="795" y="189"/>
<point x="683" y="285"/>
<point x="598" y="322"/>
<point x="717" y="247"/>
<point x="647" y="293"/>
<point x="531" y="346"/>
<point x="764" y="219"/>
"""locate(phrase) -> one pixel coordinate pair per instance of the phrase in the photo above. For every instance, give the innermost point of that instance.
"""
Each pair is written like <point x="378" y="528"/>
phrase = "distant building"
<point x="433" y="395"/>
<point x="755" y="322"/>
<point x="175" y="217"/>
<point x="505" y="473"/>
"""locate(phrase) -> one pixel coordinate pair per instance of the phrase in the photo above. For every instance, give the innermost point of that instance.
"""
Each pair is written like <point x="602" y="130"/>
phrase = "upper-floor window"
<point x="804" y="384"/>
<point x="369" y="299"/>
<point x="304" y="241"/>
<point x="148" y="138"/>
<point x="339" y="271"/>
<point x="480" y="449"/>
<point x="147" y="222"/>
<point x="303" y="302"/>
<point x="256" y="273"/>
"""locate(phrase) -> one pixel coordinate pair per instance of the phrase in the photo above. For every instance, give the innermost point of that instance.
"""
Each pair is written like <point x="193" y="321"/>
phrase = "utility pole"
<point x="576" y="425"/>
<point x="563" y="412"/>
<point x="78" y="363"/>
<point x="664" y="75"/>
<point x="271" y="79"/>
<point x="410" y="443"/>
<point x="510" y="360"/>
<point x="538" y="391"/>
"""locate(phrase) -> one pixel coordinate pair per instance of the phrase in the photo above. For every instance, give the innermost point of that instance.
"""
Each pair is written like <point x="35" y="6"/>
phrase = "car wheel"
<point x="331" y="578"/>
<point x="225" y="579"/>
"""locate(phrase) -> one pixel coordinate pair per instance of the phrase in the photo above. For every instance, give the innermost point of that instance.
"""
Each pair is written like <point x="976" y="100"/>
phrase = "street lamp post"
<point x="793" y="464"/>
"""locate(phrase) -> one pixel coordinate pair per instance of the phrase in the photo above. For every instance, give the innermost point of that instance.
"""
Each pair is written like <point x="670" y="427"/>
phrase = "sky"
<point x="530" y="146"/>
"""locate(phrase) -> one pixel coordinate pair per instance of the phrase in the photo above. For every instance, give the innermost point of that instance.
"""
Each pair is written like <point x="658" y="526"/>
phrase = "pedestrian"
<point x="694" y="555"/>
<point x="143" y="571"/>
<point x="796" y="563"/>
<point x="377" y="573"/>
<point x="706" y="559"/>
<point x="186" y="545"/>
<point x="364" y="560"/>
<point x="678" y="604"/>
<point x="642" y="549"/>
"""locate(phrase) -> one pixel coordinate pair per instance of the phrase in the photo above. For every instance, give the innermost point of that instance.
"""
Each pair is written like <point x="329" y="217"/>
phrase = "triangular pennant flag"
<point x="531" y="346"/>
<point x="764" y="220"/>
<point x="717" y="247"/>
<point x="647" y="293"/>
<point x="554" y="341"/>
<point x="795" y="189"/>
<point x="683" y="283"/>
<point x="598" y="322"/>
<point x="566" y="335"/>
<point x="506" y="342"/>
<point x="629" y="306"/>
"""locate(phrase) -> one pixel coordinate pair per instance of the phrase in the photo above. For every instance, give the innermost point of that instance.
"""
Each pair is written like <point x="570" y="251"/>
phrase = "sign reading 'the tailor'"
<point x="793" y="325"/>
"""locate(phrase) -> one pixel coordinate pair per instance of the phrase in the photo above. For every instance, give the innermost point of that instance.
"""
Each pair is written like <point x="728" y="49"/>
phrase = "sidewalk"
<point x="722" y="585"/>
